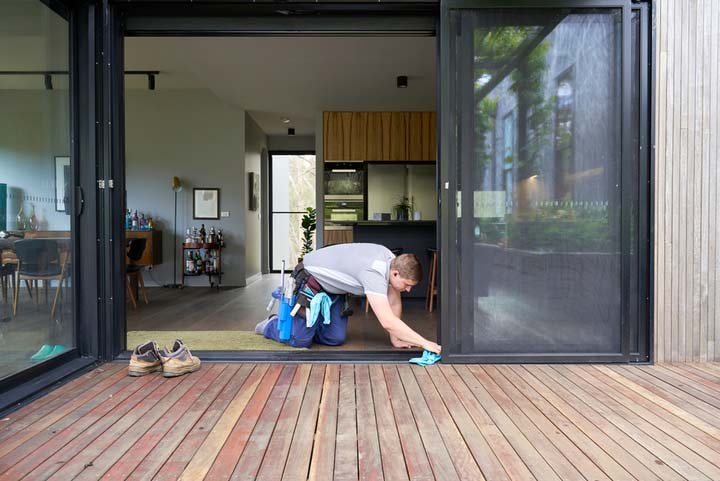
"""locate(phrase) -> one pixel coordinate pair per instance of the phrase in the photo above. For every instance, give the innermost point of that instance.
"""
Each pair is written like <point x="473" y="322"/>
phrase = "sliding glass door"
<point x="542" y="219"/>
<point x="37" y="278"/>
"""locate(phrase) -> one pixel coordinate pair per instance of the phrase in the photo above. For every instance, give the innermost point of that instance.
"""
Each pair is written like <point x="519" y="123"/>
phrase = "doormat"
<point x="209" y="340"/>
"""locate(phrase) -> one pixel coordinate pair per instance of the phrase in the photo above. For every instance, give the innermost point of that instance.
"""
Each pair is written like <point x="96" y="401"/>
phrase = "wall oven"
<point x="345" y="186"/>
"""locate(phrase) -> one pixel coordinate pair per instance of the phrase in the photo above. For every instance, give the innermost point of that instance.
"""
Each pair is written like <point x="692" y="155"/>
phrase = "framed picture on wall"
<point x="253" y="190"/>
<point x="206" y="203"/>
<point x="63" y="183"/>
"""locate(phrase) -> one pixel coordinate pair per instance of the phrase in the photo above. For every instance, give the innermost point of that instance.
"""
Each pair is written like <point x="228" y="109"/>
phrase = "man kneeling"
<point x="359" y="269"/>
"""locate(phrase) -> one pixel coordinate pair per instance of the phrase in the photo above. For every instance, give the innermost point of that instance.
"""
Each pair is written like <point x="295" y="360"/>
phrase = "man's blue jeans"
<point x="333" y="334"/>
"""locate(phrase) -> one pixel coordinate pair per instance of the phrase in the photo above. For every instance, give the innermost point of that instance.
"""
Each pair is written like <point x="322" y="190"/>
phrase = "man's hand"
<point x="432" y="347"/>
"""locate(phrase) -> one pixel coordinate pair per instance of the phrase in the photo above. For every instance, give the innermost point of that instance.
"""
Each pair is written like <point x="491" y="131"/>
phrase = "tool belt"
<point x="306" y="287"/>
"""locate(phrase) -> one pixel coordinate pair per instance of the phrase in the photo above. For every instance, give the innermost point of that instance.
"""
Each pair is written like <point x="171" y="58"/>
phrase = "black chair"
<point x="7" y="272"/>
<point x="40" y="260"/>
<point x="134" y="252"/>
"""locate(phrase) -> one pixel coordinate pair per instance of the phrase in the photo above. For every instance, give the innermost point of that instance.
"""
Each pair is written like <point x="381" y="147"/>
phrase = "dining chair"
<point x="40" y="260"/>
<point x="135" y="250"/>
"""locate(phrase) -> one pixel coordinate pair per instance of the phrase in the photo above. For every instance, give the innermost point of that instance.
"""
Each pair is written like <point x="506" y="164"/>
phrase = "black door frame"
<point x="228" y="18"/>
<point x="451" y="312"/>
<point x="85" y="69"/>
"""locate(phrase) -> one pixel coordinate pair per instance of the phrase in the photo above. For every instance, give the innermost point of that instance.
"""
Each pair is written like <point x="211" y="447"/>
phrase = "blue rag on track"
<point x="427" y="358"/>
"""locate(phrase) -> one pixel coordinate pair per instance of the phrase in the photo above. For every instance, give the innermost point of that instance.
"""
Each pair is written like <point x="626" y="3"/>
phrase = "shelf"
<point x="201" y="246"/>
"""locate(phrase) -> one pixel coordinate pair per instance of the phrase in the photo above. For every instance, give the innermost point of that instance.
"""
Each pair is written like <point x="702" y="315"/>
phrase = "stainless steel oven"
<point x="345" y="187"/>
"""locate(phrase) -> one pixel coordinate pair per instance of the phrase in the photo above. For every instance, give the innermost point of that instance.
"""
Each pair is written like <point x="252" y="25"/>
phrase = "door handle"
<point x="79" y="201"/>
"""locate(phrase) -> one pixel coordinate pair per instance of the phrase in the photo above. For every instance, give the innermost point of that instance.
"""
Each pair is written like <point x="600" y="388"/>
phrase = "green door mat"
<point x="209" y="340"/>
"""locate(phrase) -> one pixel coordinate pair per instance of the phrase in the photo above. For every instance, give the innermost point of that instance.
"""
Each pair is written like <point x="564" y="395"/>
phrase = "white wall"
<point x="255" y="150"/>
<point x="192" y="135"/>
<point x="422" y="189"/>
<point x="34" y="128"/>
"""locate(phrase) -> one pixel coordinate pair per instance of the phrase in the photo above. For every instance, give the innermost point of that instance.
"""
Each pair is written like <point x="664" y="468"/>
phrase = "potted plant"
<point x="402" y="209"/>
<point x="309" y="224"/>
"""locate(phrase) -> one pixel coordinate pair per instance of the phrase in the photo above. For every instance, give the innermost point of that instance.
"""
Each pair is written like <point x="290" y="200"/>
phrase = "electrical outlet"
<point x="225" y="213"/>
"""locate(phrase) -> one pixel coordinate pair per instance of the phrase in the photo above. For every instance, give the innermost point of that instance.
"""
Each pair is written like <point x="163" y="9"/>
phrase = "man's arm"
<point x="395" y="326"/>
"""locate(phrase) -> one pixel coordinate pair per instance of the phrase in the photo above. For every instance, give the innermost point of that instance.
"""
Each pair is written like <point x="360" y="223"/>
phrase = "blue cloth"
<point x="320" y="303"/>
<point x="427" y="358"/>
<point x="332" y="334"/>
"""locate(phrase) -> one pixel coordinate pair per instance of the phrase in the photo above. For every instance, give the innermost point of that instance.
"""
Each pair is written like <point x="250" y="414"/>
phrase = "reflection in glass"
<point x="293" y="191"/>
<point x="541" y="154"/>
<point x="36" y="276"/>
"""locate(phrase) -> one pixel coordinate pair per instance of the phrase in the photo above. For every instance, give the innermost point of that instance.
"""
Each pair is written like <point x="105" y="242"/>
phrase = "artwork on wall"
<point x="253" y="190"/>
<point x="206" y="203"/>
<point x="63" y="183"/>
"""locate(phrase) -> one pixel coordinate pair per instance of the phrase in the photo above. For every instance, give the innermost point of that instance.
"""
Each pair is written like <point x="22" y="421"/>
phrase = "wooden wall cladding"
<point x="687" y="222"/>
<point x="377" y="136"/>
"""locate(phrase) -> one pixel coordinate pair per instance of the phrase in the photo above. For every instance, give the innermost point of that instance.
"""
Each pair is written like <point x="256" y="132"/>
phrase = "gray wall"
<point x="192" y="135"/>
<point x="255" y="150"/>
<point x="291" y="143"/>
<point x="33" y="130"/>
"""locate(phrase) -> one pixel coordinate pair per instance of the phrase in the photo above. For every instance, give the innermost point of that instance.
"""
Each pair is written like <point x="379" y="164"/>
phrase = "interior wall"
<point x="255" y="145"/>
<point x="291" y="143"/>
<point x="34" y="129"/>
<point x="190" y="134"/>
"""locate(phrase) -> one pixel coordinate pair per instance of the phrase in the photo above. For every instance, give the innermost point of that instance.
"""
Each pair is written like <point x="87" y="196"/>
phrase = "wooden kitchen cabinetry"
<point x="337" y="236"/>
<point x="377" y="136"/>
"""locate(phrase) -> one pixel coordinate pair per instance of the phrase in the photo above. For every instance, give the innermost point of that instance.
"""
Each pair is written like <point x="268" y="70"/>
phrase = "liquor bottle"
<point x="208" y="262"/>
<point x="134" y="220"/>
<point x="211" y="236"/>
<point x="188" y="263"/>
<point x="215" y="264"/>
<point x="202" y="233"/>
<point x="198" y="262"/>
<point x="188" y="238"/>
<point x="220" y="238"/>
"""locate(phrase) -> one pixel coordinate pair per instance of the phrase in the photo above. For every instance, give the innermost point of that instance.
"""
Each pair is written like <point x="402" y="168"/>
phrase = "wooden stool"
<point x="432" y="277"/>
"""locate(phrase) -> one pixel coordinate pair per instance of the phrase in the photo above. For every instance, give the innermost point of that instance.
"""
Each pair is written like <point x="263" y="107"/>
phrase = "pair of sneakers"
<point x="147" y="358"/>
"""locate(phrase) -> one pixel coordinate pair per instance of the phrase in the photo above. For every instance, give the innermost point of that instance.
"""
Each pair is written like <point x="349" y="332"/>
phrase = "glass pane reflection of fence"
<point x="36" y="266"/>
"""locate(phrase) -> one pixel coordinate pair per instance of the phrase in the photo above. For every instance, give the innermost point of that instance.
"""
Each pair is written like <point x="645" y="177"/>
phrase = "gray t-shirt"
<point x="351" y="268"/>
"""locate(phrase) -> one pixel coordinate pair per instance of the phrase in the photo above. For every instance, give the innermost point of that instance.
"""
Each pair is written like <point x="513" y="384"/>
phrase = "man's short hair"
<point x="408" y="265"/>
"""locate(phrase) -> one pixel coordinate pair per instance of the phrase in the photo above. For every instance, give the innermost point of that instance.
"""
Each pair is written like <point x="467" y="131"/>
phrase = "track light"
<point x="151" y="81"/>
<point x="291" y="131"/>
<point x="402" y="81"/>
<point x="48" y="82"/>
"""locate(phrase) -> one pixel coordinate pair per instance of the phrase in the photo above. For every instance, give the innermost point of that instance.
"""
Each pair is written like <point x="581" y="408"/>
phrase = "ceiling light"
<point x="291" y="131"/>
<point x="285" y="120"/>
<point x="402" y="81"/>
<point x="48" y="82"/>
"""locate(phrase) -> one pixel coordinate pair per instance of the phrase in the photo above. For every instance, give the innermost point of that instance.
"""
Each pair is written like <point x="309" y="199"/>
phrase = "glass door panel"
<point x="540" y="239"/>
<point x="292" y="191"/>
<point x="36" y="181"/>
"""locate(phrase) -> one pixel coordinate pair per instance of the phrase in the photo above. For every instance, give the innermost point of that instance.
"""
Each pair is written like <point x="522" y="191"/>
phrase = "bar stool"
<point x="432" y="277"/>
<point x="396" y="251"/>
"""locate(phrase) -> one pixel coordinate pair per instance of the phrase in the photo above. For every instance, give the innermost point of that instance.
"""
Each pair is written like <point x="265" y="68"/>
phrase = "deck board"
<point x="373" y="422"/>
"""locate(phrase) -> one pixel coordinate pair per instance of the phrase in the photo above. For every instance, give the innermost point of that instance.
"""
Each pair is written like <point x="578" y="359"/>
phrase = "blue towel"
<point x="321" y="302"/>
<point x="427" y="358"/>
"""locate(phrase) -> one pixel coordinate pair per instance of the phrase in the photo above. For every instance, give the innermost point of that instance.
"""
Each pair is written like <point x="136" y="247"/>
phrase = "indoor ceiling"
<point x="293" y="77"/>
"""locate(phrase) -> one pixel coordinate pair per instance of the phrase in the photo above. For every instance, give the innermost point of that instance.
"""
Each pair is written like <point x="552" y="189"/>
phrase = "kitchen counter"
<point x="352" y="223"/>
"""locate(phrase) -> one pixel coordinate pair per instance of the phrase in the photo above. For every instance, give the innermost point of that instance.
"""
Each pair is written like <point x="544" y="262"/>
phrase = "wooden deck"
<point x="373" y="422"/>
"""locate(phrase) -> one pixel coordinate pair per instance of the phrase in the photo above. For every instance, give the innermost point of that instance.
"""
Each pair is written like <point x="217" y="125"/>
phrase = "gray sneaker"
<point x="145" y="359"/>
<point x="178" y="360"/>
<point x="260" y="327"/>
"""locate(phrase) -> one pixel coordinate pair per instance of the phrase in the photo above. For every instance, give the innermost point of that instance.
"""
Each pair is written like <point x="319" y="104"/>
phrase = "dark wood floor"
<point x="205" y="309"/>
<point x="373" y="422"/>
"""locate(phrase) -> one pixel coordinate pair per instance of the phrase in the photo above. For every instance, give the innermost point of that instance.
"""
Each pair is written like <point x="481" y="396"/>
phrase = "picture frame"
<point x="206" y="203"/>
<point x="253" y="190"/>
<point x="63" y="183"/>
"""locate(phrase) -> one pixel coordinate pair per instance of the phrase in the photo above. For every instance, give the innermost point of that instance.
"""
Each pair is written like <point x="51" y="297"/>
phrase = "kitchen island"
<point x="414" y="237"/>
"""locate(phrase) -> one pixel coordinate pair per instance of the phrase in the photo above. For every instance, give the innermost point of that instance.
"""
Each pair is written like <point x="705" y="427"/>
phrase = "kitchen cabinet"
<point x="342" y="235"/>
<point x="378" y="136"/>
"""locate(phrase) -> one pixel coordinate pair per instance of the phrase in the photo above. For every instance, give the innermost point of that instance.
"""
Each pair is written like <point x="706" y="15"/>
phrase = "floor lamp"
<point x="176" y="187"/>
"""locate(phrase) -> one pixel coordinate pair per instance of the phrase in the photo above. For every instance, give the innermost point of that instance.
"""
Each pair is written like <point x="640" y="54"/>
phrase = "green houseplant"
<point x="402" y="209"/>
<point x="309" y="224"/>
